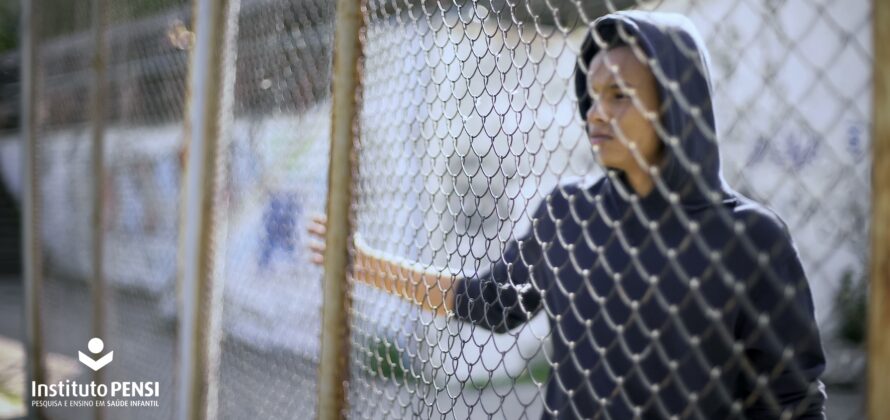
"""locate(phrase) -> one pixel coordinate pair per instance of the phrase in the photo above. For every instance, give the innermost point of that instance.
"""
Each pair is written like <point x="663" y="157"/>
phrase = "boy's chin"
<point x="609" y="162"/>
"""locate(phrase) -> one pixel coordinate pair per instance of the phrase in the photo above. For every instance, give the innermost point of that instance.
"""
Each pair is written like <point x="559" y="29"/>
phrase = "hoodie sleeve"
<point x="508" y="294"/>
<point x="782" y="344"/>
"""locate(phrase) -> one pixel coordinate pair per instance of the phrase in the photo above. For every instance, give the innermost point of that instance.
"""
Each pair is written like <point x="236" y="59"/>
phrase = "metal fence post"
<point x="31" y="254"/>
<point x="97" y="117"/>
<point x="207" y="121"/>
<point x="333" y="367"/>
<point x="879" y="301"/>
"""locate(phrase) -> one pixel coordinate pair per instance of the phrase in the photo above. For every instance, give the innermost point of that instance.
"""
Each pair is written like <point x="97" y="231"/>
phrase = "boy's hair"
<point x="605" y="37"/>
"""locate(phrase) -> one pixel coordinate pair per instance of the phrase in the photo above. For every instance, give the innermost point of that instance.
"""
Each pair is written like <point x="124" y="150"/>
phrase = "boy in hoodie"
<point x="669" y="295"/>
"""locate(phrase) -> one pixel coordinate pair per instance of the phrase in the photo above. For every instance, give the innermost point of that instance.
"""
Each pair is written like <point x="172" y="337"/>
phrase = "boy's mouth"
<point x="599" y="137"/>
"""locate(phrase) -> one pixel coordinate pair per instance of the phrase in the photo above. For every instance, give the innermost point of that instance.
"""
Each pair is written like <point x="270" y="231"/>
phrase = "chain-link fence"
<point x="143" y="94"/>
<point x="469" y="136"/>
<point x="276" y="182"/>
<point x="64" y="133"/>
<point x="659" y="213"/>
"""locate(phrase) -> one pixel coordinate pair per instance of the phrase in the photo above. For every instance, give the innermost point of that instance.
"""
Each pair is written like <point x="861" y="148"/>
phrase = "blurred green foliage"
<point x="384" y="360"/>
<point x="61" y="17"/>
<point x="851" y="304"/>
<point x="9" y="25"/>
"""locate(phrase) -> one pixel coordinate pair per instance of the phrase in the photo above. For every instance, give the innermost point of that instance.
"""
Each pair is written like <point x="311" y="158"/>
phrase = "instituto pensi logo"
<point x="71" y="393"/>
<point x="96" y="345"/>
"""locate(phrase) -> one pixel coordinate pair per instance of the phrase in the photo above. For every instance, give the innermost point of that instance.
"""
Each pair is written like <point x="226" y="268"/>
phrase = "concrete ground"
<point x="255" y="383"/>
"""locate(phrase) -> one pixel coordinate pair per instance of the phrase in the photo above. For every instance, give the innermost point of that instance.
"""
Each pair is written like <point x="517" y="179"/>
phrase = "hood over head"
<point x="679" y="60"/>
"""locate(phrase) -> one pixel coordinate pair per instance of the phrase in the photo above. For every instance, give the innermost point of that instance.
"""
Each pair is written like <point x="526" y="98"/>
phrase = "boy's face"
<point x="623" y="92"/>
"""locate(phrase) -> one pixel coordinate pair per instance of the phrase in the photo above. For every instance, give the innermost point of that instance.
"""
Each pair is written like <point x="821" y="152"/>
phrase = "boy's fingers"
<point x="317" y="229"/>
<point x="316" y="247"/>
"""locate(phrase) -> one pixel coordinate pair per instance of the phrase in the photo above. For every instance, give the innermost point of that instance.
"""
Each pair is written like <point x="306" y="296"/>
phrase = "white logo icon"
<point x="95" y="345"/>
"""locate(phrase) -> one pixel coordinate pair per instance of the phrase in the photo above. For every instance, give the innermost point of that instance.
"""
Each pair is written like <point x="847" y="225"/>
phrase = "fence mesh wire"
<point x="146" y="98"/>
<point x="475" y="173"/>
<point x="277" y="181"/>
<point x="63" y="80"/>
<point x="469" y="125"/>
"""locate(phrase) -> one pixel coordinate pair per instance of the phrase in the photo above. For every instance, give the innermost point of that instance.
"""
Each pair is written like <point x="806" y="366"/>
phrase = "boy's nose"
<point x="595" y="114"/>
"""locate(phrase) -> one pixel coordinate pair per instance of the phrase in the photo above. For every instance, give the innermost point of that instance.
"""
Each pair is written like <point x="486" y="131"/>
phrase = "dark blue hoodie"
<point x="689" y="302"/>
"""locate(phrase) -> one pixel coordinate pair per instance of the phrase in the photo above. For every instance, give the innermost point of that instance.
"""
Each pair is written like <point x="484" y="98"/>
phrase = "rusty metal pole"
<point x="879" y="295"/>
<point x="207" y="126"/>
<point x="31" y="253"/>
<point x="333" y="366"/>
<point x="100" y="63"/>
